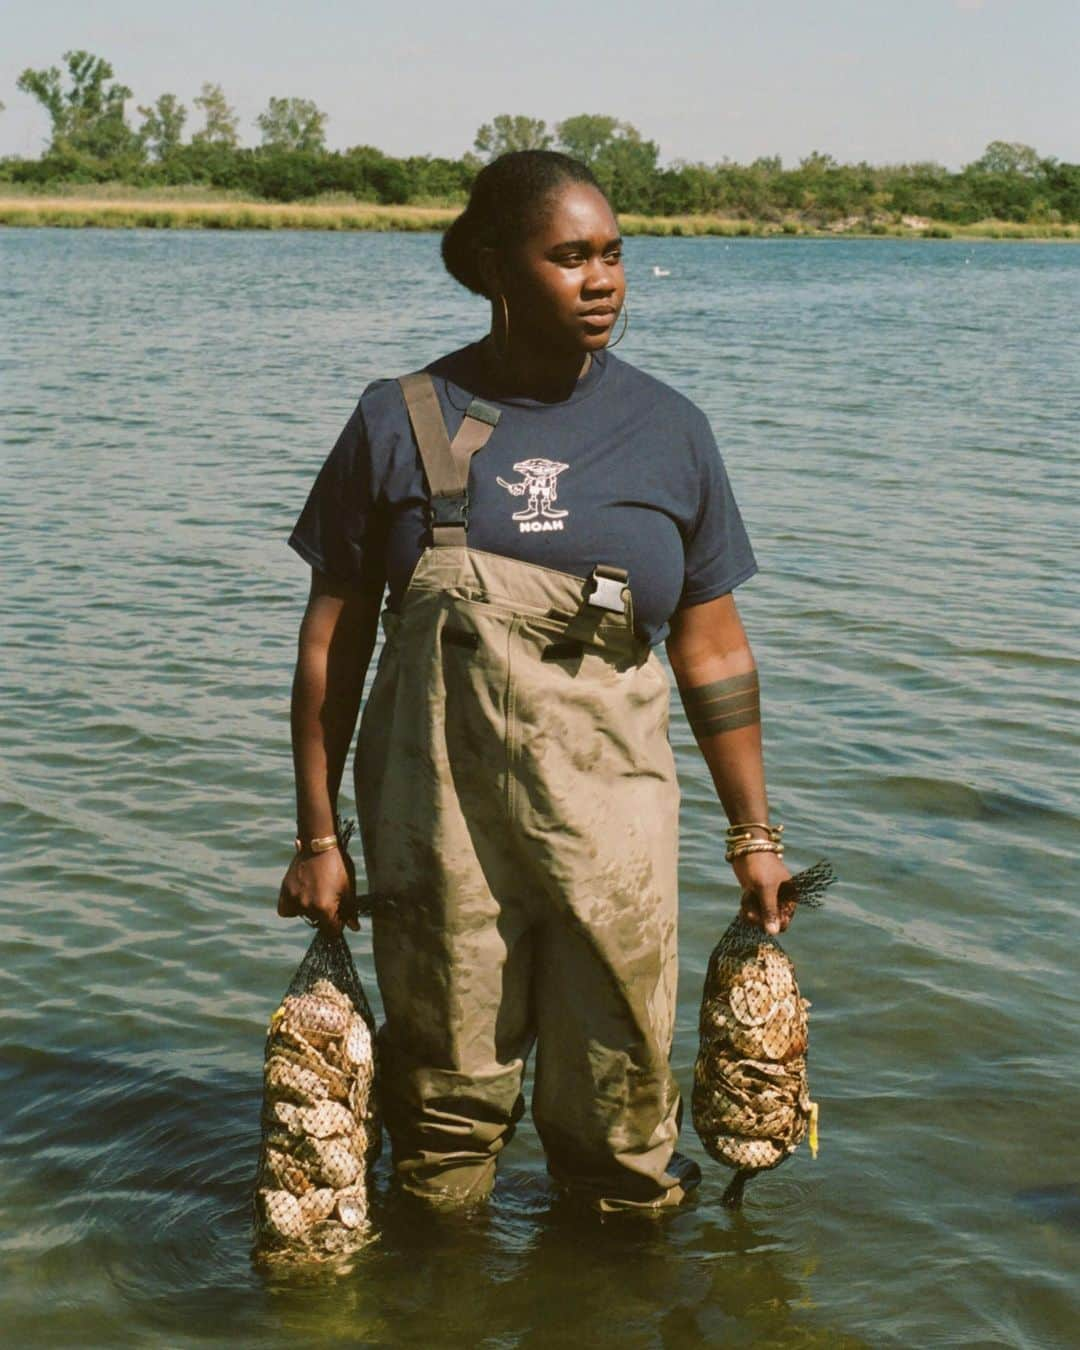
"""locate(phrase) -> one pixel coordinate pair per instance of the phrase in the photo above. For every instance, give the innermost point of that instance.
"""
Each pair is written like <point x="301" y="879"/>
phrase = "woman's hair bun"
<point x="507" y="197"/>
<point x="460" y="253"/>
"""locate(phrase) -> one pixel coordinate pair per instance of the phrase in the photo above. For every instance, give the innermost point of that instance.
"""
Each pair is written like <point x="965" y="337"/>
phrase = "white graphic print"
<point x="540" y="477"/>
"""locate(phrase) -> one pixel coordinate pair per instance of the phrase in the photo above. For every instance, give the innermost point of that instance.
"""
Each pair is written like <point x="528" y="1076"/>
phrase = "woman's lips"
<point x="599" y="318"/>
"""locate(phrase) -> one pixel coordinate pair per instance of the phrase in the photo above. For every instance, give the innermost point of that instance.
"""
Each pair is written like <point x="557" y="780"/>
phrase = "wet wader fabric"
<point x="518" y="807"/>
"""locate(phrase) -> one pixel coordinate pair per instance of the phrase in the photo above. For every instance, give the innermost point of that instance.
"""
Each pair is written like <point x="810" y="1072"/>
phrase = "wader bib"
<point x="518" y="808"/>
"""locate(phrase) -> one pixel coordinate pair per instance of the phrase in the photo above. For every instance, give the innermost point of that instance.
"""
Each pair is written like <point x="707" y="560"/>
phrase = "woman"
<point x="543" y="514"/>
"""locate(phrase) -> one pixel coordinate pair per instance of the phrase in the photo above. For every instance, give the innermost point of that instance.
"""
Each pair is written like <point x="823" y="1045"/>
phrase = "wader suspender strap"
<point x="446" y="462"/>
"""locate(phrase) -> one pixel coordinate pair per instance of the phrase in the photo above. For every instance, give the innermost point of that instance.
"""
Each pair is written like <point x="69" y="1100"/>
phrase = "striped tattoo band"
<point x="723" y="705"/>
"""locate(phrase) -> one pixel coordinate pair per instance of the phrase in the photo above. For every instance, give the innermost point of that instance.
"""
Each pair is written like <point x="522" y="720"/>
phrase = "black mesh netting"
<point x="320" y="1123"/>
<point x="751" y="1103"/>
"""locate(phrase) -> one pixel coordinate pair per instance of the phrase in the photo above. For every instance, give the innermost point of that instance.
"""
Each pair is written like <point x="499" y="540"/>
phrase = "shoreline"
<point x="171" y="213"/>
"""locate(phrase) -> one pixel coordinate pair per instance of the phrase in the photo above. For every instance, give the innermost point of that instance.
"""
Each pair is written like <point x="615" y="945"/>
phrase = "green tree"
<point x="624" y="163"/>
<point x="505" y="133"/>
<point x="587" y="135"/>
<point x="88" y="115"/>
<point x="815" y="164"/>
<point x="626" y="169"/>
<point x="221" y="121"/>
<point x="1009" y="157"/>
<point x="292" y="124"/>
<point x="163" y="125"/>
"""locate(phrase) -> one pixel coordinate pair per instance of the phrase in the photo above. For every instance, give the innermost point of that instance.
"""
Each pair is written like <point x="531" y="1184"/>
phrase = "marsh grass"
<point x="110" y="205"/>
<point x="81" y="213"/>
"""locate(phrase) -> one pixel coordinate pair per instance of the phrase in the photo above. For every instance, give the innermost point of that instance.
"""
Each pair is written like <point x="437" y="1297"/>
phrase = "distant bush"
<point x="92" y="143"/>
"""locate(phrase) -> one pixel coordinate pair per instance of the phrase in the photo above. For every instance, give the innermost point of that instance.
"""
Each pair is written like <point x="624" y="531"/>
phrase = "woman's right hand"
<point x="321" y="887"/>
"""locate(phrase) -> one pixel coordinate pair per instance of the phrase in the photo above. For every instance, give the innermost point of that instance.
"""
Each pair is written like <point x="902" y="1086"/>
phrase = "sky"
<point x="886" y="81"/>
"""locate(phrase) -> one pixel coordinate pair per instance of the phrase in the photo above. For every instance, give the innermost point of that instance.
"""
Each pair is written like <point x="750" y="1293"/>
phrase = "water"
<point x="899" y="421"/>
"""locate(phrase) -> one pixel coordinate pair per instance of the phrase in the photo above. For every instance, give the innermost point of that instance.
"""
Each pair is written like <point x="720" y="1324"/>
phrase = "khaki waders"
<point x="518" y="807"/>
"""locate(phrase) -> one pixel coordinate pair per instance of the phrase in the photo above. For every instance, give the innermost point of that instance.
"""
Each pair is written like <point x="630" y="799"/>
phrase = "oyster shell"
<point x="352" y="1206"/>
<point x="282" y="1213"/>
<point x="317" y="1205"/>
<point x="317" y="1016"/>
<point x="331" y="1160"/>
<point x="286" y="1078"/>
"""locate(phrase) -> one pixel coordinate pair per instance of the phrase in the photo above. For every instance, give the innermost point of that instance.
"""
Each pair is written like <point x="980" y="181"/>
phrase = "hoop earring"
<point x="625" y="326"/>
<point x="501" y="355"/>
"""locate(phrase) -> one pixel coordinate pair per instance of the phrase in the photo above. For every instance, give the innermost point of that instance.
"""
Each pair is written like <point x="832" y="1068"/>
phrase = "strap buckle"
<point x="607" y="588"/>
<point x="449" y="509"/>
<point x="483" y="412"/>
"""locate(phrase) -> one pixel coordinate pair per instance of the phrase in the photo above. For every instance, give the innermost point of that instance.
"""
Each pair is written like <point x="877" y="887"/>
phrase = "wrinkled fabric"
<point x="519" y="824"/>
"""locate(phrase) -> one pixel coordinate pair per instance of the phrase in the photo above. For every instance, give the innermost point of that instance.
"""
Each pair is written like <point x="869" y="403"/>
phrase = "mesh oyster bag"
<point x="320" y="1120"/>
<point x="751" y="1103"/>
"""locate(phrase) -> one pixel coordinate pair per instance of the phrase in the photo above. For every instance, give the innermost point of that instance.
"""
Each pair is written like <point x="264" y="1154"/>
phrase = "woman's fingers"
<point x="349" y="911"/>
<point x="762" y="875"/>
<point x="323" y="890"/>
<point x="756" y="910"/>
<point x="288" y="906"/>
<point x="759" y="908"/>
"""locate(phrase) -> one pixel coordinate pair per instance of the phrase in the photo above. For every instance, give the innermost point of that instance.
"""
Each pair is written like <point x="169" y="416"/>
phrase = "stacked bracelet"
<point x="741" y="840"/>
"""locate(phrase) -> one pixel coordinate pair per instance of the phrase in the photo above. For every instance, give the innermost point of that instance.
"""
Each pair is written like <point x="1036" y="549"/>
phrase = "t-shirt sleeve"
<point x="717" y="547"/>
<point x="340" y="531"/>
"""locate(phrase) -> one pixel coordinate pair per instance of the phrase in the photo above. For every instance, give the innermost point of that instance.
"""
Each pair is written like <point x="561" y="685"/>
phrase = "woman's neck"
<point x="546" y="377"/>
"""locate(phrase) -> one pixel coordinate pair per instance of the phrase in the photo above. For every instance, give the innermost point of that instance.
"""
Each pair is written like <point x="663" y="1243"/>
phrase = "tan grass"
<point x="159" y="209"/>
<point x="73" y="212"/>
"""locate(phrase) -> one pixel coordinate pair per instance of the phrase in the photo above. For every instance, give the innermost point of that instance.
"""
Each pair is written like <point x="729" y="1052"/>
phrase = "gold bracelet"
<point x="321" y="845"/>
<point x="773" y="831"/>
<point x="754" y="846"/>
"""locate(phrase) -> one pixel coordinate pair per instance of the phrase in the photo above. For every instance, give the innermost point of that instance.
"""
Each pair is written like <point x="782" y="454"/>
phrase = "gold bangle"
<point x="321" y="845"/>
<point x="755" y="846"/>
<point x="773" y="831"/>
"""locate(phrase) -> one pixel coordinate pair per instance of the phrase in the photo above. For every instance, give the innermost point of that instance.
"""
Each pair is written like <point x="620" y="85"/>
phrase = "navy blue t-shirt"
<point x="625" y="471"/>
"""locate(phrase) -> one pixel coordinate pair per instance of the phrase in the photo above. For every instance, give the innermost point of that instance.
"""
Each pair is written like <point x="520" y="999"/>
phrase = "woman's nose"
<point x="600" y="280"/>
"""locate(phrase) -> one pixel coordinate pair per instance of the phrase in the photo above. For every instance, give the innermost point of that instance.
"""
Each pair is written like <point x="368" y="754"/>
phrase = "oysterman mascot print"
<point x="541" y="483"/>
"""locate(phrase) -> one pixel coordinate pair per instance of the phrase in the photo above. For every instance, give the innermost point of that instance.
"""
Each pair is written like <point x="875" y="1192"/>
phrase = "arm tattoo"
<point x="723" y="705"/>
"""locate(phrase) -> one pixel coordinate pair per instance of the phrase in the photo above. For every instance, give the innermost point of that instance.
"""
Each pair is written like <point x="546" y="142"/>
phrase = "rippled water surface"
<point x="899" y="421"/>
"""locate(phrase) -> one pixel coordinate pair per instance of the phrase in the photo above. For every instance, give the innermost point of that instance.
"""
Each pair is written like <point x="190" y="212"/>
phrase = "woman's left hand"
<point x="760" y="875"/>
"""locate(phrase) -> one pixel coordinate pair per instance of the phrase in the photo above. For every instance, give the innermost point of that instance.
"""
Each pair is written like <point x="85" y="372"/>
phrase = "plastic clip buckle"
<point x="449" y="510"/>
<point x="607" y="589"/>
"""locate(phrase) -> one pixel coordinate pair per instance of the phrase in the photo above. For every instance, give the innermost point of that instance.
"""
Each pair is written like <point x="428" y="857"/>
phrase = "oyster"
<point x="318" y="1017"/>
<point x="352" y="1209"/>
<point x="282" y="1213"/>
<point x="332" y="1160"/>
<point x="288" y="1079"/>
<point x="288" y="1174"/>
<point x="317" y="1205"/>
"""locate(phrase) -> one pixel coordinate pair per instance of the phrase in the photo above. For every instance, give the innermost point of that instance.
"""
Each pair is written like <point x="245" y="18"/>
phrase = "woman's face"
<point x="564" y="284"/>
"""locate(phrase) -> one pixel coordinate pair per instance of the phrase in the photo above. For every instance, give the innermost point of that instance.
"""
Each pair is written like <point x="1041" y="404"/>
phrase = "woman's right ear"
<point x="487" y="264"/>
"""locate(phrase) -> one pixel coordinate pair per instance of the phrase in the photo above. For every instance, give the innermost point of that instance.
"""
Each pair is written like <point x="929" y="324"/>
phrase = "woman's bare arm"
<point x="717" y="678"/>
<point x="337" y="637"/>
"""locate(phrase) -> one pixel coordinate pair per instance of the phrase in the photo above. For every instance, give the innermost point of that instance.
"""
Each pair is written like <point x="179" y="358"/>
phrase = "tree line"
<point x="93" y="140"/>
